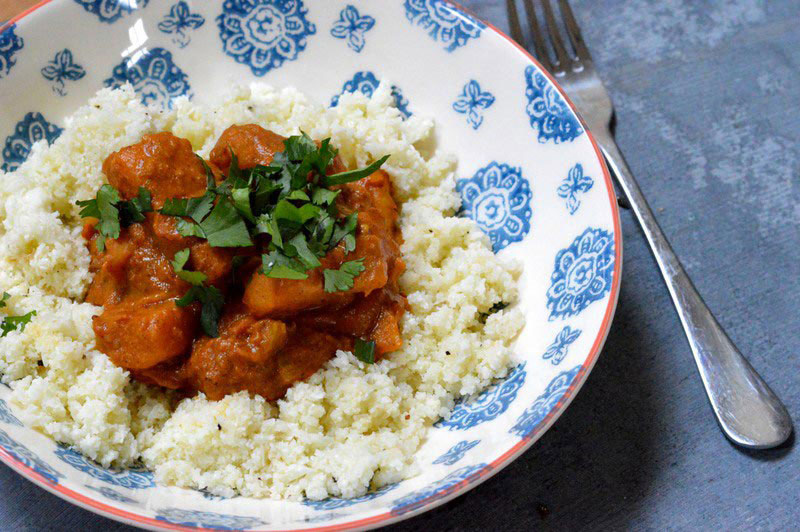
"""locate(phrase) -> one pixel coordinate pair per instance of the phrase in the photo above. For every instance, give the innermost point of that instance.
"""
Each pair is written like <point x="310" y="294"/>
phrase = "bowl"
<point x="531" y="177"/>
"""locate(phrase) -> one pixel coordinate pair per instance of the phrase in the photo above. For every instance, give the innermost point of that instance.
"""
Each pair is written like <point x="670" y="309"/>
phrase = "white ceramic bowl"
<point x="531" y="177"/>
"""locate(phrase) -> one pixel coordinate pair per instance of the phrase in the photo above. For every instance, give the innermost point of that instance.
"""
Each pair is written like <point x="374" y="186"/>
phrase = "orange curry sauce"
<point x="273" y="332"/>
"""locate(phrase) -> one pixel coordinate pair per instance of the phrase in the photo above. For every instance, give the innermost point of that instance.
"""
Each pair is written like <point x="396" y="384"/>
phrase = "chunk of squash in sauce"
<point x="262" y="356"/>
<point x="162" y="163"/>
<point x="142" y="333"/>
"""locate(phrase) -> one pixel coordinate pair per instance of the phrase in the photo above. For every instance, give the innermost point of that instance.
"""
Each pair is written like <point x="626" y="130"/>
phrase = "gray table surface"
<point x="708" y="106"/>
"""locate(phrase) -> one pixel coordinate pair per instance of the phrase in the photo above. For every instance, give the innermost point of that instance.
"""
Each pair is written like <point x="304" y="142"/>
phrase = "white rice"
<point x="351" y="426"/>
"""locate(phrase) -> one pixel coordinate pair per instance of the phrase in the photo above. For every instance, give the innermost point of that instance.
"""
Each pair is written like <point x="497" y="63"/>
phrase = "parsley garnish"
<point x="364" y="351"/>
<point x="194" y="278"/>
<point x="11" y="323"/>
<point x="342" y="279"/>
<point x="354" y="175"/>
<point x="112" y="213"/>
<point x="209" y="296"/>
<point x="497" y="307"/>
<point x="288" y="200"/>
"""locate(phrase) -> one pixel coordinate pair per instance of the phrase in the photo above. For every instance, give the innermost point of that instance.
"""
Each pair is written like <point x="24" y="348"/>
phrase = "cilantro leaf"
<point x="324" y="196"/>
<point x="112" y="213"/>
<point x="346" y="231"/>
<point x="11" y="323"/>
<point x="279" y="266"/>
<point x="267" y="224"/>
<point x="353" y="175"/>
<point x="365" y="351"/>
<point x="224" y="226"/>
<point x="497" y="307"/>
<point x="306" y="256"/>
<point x="342" y="279"/>
<point x="241" y="200"/>
<point x="3" y="300"/>
<point x="194" y="208"/>
<point x="103" y="207"/>
<point x="287" y="212"/>
<point x="133" y="211"/>
<point x="210" y="181"/>
<point x="212" y="302"/>
<point x="187" y="228"/>
<point x="194" y="278"/>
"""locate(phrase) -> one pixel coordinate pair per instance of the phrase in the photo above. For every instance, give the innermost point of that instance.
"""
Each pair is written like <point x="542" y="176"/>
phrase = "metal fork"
<point x="750" y="414"/>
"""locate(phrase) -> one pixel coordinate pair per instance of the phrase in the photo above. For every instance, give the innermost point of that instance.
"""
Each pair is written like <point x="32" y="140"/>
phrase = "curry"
<point x="273" y="329"/>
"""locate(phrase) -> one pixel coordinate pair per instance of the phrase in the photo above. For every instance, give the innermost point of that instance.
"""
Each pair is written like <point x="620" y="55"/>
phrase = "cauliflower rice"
<point x="351" y="427"/>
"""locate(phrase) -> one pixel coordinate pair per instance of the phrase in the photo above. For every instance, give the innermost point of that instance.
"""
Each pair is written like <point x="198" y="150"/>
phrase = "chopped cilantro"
<point x="364" y="351"/>
<point x="279" y="266"/>
<point x="343" y="278"/>
<point x="11" y="323"/>
<point x="497" y="307"/>
<point x="346" y="232"/>
<point x="212" y="301"/>
<point x="194" y="208"/>
<point x="354" y="175"/>
<point x="287" y="202"/>
<point x="304" y="254"/>
<point x="209" y="296"/>
<point x="193" y="278"/>
<point x="224" y="227"/>
<point x="112" y="213"/>
<point x="187" y="228"/>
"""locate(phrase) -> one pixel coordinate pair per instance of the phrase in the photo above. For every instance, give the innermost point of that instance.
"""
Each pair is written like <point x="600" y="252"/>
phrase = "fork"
<point x="748" y="411"/>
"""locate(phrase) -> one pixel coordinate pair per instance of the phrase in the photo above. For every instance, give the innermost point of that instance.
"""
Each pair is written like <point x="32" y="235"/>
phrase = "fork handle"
<point x="750" y="414"/>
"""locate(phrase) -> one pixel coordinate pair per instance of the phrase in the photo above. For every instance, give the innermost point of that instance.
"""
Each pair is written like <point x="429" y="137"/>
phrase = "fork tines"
<point x="556" y="54"/>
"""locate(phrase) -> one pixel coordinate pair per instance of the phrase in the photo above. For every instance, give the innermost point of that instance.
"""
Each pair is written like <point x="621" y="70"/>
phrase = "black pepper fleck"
<point x="219" y="427"/>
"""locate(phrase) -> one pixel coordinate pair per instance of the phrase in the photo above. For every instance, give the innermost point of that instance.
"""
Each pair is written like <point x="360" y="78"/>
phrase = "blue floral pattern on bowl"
<point x="10" y="44"/>
<point x="472" y="102"/>
<point x="154" y="76"/>
<point x="179" y="22"/>
<point x="498" y="198"/>
<point x="352" y="26"/>
<point x="443" y="23"/>
<point x="109" y="11"/>
<point x="366" y="83"/>
<point x="334" y="503"/>
<point x="62" y="69"/>
<point x="6" y="416"/>
<point x="528" y="423"/>
<point x="456" y="452"/>
<point x="22" y="454"/>
<point x="575" y="183"/>
<point x="437" y="490"/>
<point x="582" y="274"/>
<point x="489" y="404"/>
<point x="127" y="478"/>
<point x="111" y="494"/>
<point x="547" y="110"/>
<point x="556" y="352"/>
<point x="263" y="34"/>
<point x="31" y="129"/>
<point x="210" y="520"/>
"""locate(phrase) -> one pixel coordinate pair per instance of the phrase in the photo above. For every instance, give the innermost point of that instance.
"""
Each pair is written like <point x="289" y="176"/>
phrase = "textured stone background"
<point x="708" y="104"/>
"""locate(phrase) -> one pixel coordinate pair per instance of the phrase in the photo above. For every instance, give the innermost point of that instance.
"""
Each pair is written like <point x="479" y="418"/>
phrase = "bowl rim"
<point x="386" y="518"/>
